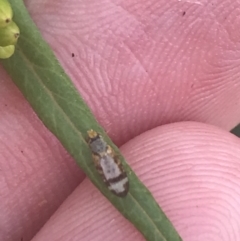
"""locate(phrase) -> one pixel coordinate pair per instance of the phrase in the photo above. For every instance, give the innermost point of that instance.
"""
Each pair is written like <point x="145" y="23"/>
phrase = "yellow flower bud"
<point x="6" y="13"/>
<point x="9" y="35"/>
<point x="7" y="51"/>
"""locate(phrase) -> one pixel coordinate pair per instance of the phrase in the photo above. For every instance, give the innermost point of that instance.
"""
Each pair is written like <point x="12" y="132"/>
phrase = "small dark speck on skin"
<point x="73" y="54"/>
<point x="21" y="151"/>
<point x="5" y="104"/>
<point x="184" y="13"/>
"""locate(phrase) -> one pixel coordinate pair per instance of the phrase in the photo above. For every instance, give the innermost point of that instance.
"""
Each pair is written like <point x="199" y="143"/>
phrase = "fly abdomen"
<point x="120" y="187"/>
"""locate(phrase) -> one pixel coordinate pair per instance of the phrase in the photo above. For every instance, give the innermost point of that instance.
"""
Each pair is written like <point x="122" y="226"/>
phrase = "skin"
<point x="139" y="65"/>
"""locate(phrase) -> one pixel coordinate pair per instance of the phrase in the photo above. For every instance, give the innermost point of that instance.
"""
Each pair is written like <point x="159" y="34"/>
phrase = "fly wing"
<point x="110" y="168"/>
<point x="116" y="178"/>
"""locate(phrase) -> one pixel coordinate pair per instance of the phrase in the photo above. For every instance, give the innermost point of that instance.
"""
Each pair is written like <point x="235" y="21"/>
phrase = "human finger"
<point x="192" y="170"/>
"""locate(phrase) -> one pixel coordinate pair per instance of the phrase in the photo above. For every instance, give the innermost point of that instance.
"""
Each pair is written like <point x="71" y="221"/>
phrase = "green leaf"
<point x="38" y="75"/>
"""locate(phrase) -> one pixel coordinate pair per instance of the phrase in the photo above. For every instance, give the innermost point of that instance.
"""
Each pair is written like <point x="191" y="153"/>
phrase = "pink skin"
<point x="139" y="65"/>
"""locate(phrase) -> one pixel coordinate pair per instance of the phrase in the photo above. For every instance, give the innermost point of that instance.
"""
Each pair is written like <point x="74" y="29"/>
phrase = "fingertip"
<point x="192" y="169"/>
